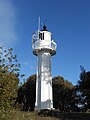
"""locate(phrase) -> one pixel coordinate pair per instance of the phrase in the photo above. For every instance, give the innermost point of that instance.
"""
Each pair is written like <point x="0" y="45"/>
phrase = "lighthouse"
<point x="44" y="48"/>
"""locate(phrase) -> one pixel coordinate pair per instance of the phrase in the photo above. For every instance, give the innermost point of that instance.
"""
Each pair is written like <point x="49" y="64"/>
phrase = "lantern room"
<point x="42" y="39"/>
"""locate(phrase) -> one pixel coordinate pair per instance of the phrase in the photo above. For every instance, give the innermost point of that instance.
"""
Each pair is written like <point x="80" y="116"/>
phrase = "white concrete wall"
<point x="44" y="82"/>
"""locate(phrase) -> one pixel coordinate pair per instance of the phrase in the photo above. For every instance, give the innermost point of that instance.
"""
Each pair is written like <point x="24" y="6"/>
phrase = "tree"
<point x="27" y="94"/>
<point x="8" y="90"/>
<point x="84" y="88"/>
<point x="63" y="95"/>
<point x="9" y="78"/>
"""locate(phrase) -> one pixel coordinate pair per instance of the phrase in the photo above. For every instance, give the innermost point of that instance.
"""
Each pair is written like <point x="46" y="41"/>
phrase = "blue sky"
<point x="69" y="22"/>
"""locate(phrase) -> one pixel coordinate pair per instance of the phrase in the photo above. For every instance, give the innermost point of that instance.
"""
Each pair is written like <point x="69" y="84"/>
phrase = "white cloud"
<point x="32" y="67"/>
<point x="7" y="23"/>
<point x="26" y="63"/>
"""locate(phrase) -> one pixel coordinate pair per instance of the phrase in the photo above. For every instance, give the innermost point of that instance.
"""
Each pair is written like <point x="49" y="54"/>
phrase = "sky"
<point x="67" y="20"/>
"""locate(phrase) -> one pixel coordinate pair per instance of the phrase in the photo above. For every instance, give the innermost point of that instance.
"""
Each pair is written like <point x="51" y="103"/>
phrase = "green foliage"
<point x="84" y="89"/>
<point x="8" y="90"/>
<point x="9" y="73"/>
<point x="27" y="94"/>
<point x="63" y="95"/>
<point x="8" y="61"/>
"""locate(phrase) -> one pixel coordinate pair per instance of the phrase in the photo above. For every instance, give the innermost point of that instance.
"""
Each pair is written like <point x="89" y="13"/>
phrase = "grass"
<point x="43" y="115"/>
<point x="19" y="115"/>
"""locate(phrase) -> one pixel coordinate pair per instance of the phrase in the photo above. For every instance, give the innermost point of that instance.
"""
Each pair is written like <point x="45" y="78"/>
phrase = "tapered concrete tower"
<point x="44" y="48"/>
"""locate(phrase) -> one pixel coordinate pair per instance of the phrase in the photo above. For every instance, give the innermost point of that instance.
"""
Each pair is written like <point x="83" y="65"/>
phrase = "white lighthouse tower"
<point x="44" y="48"/>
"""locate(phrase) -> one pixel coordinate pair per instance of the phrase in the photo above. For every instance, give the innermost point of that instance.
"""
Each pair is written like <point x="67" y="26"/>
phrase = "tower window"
<point x="41" y="36"/>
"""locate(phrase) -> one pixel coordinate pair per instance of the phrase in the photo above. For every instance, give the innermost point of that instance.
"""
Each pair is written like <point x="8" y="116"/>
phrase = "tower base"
<point x="47" y="105"/>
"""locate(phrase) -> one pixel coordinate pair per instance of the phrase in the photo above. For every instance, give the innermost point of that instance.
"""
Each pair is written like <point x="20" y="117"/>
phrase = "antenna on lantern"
<point x="45" y="21"/>
<point x="39" y="23"/>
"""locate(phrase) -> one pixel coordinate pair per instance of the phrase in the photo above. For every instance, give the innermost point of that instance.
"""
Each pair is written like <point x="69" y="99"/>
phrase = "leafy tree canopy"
<point x="84" y="88"/>
<point x="9" y="73"/>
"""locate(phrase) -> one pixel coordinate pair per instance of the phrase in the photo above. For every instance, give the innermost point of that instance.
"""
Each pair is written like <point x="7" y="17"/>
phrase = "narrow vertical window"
<point x="43" y="36"/>
<point x="40" y="36"/>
